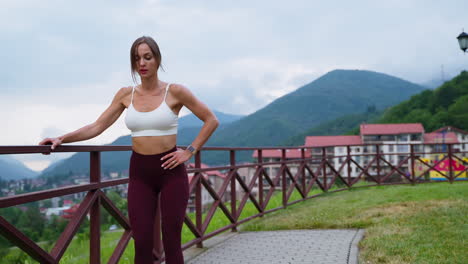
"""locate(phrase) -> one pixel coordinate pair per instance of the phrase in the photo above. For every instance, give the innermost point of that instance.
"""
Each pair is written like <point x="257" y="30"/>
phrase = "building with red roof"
<point x="294" y="153"/>
<point x="392" y="133"/>
<point x="67" y="202"/>
<point x="393" y="141"/>
<point x="451" y="129"/>
<point x="70" y="212"/>
<point x="391" y="129"/>
<point x="432" y="138"/>
<point x="211" y="175"/>
<point x="215" y="178"/>
<point x="448" y="134"/>
<point x="328" y="141"/>
<point x="275" y="155"/>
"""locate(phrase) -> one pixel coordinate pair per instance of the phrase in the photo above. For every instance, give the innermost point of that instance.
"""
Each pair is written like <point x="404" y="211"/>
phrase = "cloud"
<point x="52" y="132"/>
<point x="63" y="59"/>
<point x="29" y="121"/>
<point x="244" y="85"/>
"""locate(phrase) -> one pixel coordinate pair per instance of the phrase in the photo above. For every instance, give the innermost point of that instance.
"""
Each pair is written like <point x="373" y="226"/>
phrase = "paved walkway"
<point x="289" y="247"/>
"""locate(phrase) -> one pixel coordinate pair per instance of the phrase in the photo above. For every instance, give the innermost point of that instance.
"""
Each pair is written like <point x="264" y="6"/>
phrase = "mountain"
<point x="445" y="106"/>
<point x="340" y="126"/>
<point x="192" y="121"/>
<point x="118" y="161"/>
<point x="336" y="93"/>
<point x="12" y="169"/>
<point x="432" y="84"/>
<point x="436" y="82"/>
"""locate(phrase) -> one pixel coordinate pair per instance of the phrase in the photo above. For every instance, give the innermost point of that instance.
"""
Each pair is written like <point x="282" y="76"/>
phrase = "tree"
<point x="440" y="119"/>
<point x="458" y="112"/>
<point x="418" y="116"/>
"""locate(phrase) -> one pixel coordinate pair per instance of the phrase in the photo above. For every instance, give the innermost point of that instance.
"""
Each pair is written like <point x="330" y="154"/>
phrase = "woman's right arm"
<point x="105" y="120"/>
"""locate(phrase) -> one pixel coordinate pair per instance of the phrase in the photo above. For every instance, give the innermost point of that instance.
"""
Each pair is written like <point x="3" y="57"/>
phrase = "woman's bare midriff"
<point x="154" y="144"/>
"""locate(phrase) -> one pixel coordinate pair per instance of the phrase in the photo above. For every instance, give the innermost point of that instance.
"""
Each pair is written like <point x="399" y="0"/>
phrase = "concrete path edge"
<point x="353" y="257"/>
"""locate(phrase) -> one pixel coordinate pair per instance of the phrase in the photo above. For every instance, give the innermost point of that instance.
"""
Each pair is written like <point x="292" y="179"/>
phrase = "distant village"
<point x="60" y="206"/>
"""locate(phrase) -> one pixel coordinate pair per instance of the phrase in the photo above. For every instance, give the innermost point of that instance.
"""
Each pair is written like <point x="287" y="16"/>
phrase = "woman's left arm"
<point x="199" y="109"/>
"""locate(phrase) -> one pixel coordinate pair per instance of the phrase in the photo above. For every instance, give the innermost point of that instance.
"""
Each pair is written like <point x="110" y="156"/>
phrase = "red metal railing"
<point x="313" y="170"/>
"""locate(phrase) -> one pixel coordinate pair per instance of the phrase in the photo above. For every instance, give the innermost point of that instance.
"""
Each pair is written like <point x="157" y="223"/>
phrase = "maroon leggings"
<point x="147" y="180"/>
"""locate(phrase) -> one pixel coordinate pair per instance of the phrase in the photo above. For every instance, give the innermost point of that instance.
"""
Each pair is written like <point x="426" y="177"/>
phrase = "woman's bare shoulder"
<point x="123" y="95"/>
<point x="179" y="89"/>
<point x="124" y="92"/>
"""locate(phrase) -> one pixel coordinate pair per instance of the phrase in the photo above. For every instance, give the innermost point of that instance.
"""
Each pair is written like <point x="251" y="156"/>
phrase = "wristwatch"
<point x="191" y="149"/>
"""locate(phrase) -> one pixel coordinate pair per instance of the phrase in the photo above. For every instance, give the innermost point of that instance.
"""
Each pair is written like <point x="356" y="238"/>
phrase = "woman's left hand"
<point x="175" y="158"/>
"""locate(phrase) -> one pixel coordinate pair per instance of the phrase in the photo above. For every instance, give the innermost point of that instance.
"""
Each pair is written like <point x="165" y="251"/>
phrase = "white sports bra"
<point x="159" y="122"/>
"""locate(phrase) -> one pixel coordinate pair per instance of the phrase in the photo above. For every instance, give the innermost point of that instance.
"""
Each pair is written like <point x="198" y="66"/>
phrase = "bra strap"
<point x="133" y="91"/>
<point x="167" y="89"/>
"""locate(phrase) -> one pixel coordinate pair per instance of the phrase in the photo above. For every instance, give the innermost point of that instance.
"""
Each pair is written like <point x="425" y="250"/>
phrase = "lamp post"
<point x="463" y="41"/>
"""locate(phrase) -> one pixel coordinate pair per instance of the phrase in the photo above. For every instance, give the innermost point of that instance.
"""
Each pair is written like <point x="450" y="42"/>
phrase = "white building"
<point x="56" y="211"/>
<point x="394" y="142"/>
<point x="275" y="155"/>
<point x="215" y="178"/>
<point x="448" y="134"/>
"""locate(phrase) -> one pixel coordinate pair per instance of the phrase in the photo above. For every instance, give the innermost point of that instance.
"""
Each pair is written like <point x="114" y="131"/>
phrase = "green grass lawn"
<point x="427" y="223"/>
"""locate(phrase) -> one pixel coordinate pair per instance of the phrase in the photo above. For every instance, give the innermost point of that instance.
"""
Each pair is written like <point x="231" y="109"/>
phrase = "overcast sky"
<point x="62" y="61"/>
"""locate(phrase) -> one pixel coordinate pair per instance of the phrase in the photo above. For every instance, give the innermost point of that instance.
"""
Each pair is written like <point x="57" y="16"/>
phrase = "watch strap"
<point x="192" y="149"/>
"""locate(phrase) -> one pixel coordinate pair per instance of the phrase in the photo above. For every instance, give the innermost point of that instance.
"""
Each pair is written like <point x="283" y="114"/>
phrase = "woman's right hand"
<point x="51" y="141"/>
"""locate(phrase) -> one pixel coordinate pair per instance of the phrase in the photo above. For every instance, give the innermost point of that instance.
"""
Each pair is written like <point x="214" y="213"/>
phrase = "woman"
<point x="156" y="166"/>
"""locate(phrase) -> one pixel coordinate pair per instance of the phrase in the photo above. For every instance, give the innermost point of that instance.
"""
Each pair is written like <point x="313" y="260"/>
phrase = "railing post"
<point x="413" y="176"/>
<point x="260" y="182"/>
<point x="233" y="188"/>
<point x="324" y="169"/>
<point x="303" y="163"/>
<point x="348" y="157"/>
<point x="283" y="178"/>
<point x="450" y="163"/>
<point x="377" y="157"/>
<point x="95" y="213"/>
<point x="198" y="197"/>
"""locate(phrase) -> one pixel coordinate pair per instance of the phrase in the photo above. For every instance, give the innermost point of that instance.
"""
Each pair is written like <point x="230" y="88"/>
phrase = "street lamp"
<point x="463" y="41"/>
